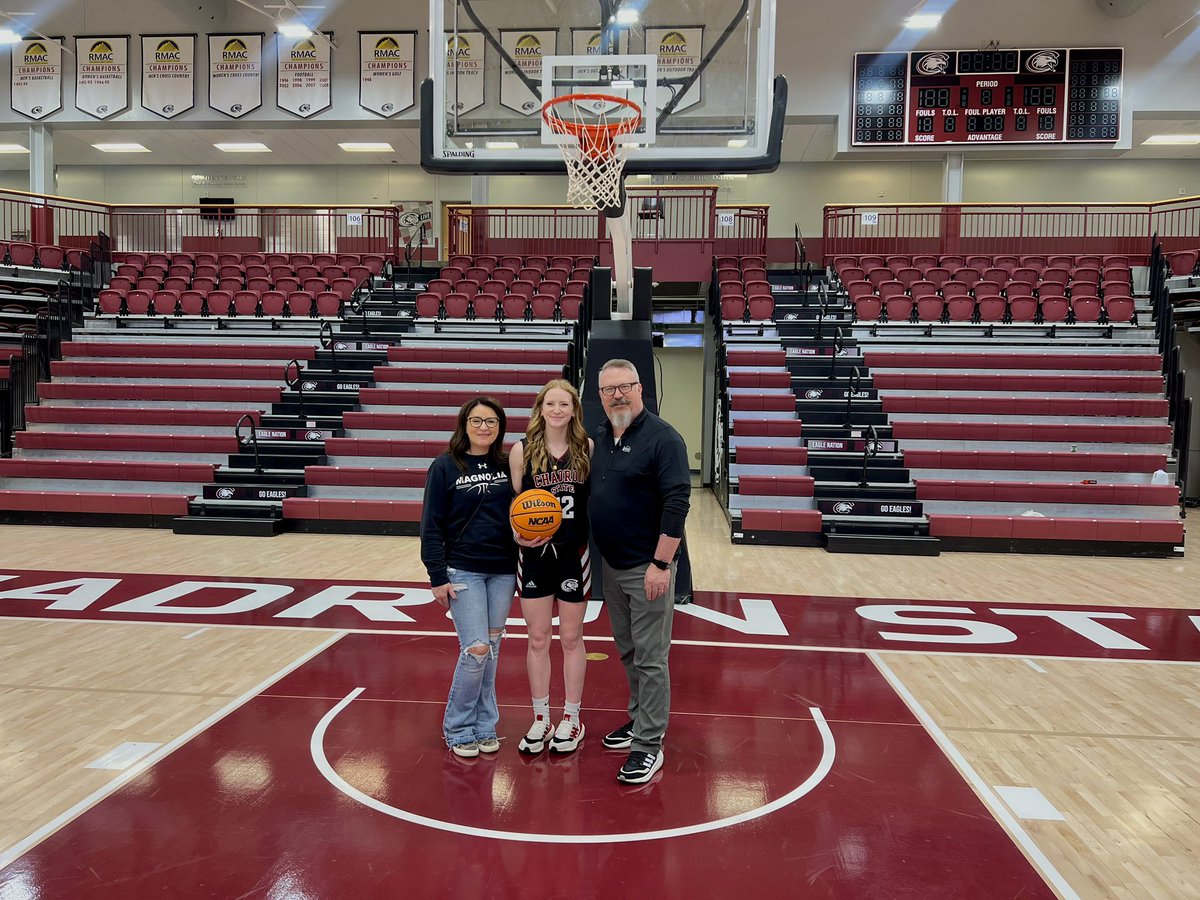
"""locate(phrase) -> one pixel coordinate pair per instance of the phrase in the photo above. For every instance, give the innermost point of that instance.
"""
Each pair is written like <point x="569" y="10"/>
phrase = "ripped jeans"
<point x="479" y="614"/>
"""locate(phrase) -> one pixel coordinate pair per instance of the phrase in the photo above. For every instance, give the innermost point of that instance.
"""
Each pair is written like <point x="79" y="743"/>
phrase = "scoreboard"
<point x="1046" y="95"/>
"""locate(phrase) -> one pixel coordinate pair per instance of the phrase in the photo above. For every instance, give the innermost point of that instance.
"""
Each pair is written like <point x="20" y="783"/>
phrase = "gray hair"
<point x="620" y="364"/>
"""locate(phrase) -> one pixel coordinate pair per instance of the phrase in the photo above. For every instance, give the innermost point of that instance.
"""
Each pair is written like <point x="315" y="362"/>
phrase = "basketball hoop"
<point x="595" y="158"/>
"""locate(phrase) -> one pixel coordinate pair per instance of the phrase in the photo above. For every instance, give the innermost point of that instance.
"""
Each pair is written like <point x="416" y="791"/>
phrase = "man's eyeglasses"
<point x="611" y="390"/>
<point x="476" y="422"/>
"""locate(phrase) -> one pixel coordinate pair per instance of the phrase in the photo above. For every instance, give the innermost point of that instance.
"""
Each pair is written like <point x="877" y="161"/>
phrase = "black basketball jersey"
<point x="563" y="482"/>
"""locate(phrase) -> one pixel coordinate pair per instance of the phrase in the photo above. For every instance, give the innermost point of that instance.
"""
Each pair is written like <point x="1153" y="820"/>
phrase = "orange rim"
<point x="597" y="139"/>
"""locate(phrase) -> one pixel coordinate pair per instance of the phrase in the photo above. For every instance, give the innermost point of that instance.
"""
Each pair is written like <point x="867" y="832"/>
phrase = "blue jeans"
<point x="481" y="608"/>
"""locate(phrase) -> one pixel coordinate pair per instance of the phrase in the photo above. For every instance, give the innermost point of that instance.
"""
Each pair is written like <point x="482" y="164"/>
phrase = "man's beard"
<point x="621" y="417"/>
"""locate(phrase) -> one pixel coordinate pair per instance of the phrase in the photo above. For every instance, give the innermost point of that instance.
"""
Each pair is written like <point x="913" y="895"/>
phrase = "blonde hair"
<point x="536" y="453"/>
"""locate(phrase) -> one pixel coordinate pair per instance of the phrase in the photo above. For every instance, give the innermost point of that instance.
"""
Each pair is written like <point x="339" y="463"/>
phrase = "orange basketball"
<point x="535" y="514"/>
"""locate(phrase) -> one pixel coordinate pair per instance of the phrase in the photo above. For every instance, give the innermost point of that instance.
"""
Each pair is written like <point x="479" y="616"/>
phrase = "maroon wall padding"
<point x="763" y="402"/>
<point x="122" y="415"/>
<point x="506" y="355"/>
<point x="352" y="510"/>
<point x="760" y="380"/>
<point x="767" y="427"/>
<point x="123" y="504"/>
<point x="102" y="391"/>
<point x="1045" y="462"/>
<point x="464" y="375"/>
<point x="364" y="476"/>
<point x="1047" y="492"/>
<point x="1057" y="529"/>
<point x="1107" y="362"/>
<point x="134" y="443"/>
<point x="807" y="520"/>
<point x="1026" y="431"/>
<point x="285" y="352"/>
<point x="981" y="381"/>
<point x="775" y="485"/>
<point x="1058" y="407"/>
<point x="189" y="371"/>
<point x="107" y="470"/>
<point x="772" y="456"/>
<point x="223" y="244"/>
<point x="756" y="358"/>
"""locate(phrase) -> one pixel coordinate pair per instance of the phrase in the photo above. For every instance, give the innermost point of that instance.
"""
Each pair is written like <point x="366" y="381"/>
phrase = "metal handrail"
<point x="1182" y="455"/>
<point x="326" y="339"/>
<point x="237" y="433"/>
<point x="296" y="383"/>
<point x="838" y="344"/>
<point x="870" y="449"/>
<point x="852" y="385"/>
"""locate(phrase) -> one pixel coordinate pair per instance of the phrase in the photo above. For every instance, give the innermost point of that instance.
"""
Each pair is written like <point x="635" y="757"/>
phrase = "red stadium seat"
<point x="191" y="303"/>
<point x="929" y="309"/>
<point x="543" y="306"/>
<point x="245" y="303"/>
<point x="328" y="304"/>
<point x="456" y="305"/>
<point x="1022" y="308"/>
<point x="960" y="309"/>
<point x="733" y="308"/>
<point x="868" y="308"/>
<point x="219" y="303"/>
<point x="899" y="309"/>
<point x="273" y="303"/>
<point x="761" y="307"/>
<point x="991" y="307"/>
<point x="429" y="305"/>
<point x="515" y="305"/>
<point x="485" y="304"/>
<point x="138" y="302"/>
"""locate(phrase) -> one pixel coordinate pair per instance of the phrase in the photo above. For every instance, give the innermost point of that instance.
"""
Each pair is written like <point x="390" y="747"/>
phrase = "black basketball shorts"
<point x="555" y="570"/>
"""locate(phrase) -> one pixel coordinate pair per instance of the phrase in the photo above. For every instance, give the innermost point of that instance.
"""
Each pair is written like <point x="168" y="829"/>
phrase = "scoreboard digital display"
<point x="1048" y="95"/>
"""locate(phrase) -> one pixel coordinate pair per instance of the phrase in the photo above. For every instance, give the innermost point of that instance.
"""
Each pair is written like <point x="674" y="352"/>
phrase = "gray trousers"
<point x="642" y="630"/>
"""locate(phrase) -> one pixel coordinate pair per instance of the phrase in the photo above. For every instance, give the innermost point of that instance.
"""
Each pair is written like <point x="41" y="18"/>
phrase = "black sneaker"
<point x="621" y="739"/>
<point x="640" y="767"/>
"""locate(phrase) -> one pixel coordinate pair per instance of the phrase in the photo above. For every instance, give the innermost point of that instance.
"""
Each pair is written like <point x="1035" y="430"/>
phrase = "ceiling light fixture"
<point x="8" y="36"/>
<point x="627" y="16"/>
<point x="923" y="21"/>
<point x="243" y="148"/>
<point x="121" y="148"/>
<point x="1172" y="139"/>
<point x="366" y="147"/>
<point x="295" y="30"/>
<point x="13" y="148"/>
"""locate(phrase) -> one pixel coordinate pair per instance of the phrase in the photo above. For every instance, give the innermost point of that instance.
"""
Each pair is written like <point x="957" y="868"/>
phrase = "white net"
<point x="594" y="150"/>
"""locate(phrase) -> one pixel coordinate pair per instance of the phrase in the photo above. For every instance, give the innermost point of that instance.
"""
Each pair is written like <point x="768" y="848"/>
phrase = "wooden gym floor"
<point x="1029" y="726"/>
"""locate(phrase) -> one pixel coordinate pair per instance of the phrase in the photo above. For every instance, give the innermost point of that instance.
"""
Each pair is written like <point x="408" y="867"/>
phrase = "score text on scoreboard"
<point x="1046" y="95"/>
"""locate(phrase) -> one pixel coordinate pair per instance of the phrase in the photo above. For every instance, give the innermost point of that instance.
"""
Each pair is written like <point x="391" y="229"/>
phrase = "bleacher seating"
<point x="743" y="290"/>
<point x="993" y="289"/>
<point x="531" y="288"/>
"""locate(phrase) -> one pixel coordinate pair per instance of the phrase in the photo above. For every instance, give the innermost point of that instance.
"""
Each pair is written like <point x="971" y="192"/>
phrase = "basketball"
<point x="535" y="514"/>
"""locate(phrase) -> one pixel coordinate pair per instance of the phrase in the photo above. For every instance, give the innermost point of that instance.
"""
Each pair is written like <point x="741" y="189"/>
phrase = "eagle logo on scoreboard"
<point x="933" y="64"/>
<point x="1043" y="61"/>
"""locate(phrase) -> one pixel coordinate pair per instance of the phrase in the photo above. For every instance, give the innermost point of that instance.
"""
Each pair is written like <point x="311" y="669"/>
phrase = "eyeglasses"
<point x="476" y="422"/>
<point x="612" y="389"/>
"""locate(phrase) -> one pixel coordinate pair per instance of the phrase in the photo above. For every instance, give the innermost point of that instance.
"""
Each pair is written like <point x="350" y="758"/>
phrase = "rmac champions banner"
<point x="387" y="61"/>
<point x="465" y="58"/>
<point x="526" y="47"/>
<point x="36" y="78"/>
<point x="102" y="75"/>
<point x="235" y="73"/>
<point x="303" y="75"/>
<point x="679" y="51"/>
<point x="168" y="73"/>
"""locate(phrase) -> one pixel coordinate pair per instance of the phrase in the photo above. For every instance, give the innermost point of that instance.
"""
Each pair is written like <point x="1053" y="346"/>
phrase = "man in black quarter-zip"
<point x="639" y="501"/>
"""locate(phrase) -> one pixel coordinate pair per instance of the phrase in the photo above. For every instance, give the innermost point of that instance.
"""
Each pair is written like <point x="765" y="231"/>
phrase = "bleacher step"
<point x="227" y="525"/>
<point x="884" y="544"/>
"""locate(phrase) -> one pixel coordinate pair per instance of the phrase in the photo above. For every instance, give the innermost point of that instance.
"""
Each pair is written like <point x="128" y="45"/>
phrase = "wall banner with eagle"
<point x="37" y="77"/>
<point x="168" y="73"/>
<point x="387" y="63"/>
<point x="303" y="74"/>
<point x="235" y="73"/>
<point x="102" y="75"/>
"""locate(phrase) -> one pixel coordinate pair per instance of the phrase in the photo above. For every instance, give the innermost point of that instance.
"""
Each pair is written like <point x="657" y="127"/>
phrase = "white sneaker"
<point x="489" y="745"/>
<point x="567" y="735"/>
<point x="466" y="751"/>
<point x="535" y="739"/>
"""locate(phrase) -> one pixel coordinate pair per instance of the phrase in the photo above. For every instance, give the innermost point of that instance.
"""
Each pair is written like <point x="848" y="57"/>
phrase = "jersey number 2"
<point x="568" y="507"/>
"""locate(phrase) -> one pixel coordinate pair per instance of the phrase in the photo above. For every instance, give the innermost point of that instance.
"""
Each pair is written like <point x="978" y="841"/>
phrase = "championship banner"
<point x="526" y="47"/>
<point x="36" y="78"/>
<point x="465" y="58"/>
<point x="387" y="61"/>
<point x="303" y="75"/>
<point x="235" y="73"/>
<point x="679" y="53"/>
<point x="101" y="75"/>
<point x="168" y="73"/>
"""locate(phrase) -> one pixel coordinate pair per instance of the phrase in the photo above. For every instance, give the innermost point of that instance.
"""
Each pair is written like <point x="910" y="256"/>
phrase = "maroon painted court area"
<point x="1030" y="629"/>
<point x="243" y="810"/>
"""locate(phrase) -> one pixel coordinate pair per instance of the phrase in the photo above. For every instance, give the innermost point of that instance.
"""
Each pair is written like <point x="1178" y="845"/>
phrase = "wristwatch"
<point x="659" y="564"/>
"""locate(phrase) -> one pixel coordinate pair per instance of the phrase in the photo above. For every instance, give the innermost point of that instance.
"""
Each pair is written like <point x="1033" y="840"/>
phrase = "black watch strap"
<point x="659" y="564"/>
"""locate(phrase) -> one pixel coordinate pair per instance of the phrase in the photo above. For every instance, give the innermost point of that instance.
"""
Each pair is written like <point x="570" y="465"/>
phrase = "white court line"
<point x="608" y="638"/>
<point x="188" y="637"/>
<point x="317" y="748"/>
<point x="1029" y="803"/>
<point x="16" y="850"/>
<point x="123" y="755"/>
<point x="998" y="809"/>
<point x="1034" y="666"/>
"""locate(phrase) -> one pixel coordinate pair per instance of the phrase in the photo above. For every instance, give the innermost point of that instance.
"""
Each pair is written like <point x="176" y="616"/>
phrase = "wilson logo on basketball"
<point x="535" y="504"/>
<point x="933" y="64"/>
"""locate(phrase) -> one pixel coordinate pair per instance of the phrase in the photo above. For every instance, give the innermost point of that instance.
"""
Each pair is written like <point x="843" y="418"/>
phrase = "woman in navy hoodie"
<point x="467" y="548"/>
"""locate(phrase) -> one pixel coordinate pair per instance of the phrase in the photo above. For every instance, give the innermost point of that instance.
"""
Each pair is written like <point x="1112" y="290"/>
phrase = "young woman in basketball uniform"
<point x="555" y="456"/>
<point x="467" y="548"/>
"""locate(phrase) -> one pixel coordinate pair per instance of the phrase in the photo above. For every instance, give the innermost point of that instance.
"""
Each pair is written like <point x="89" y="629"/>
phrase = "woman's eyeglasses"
<point x="477" y="422"/>
<point x="612" y="389"/>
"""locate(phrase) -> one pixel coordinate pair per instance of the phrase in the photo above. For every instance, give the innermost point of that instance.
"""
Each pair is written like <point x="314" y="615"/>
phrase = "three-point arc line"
<point x="317" y="748"/>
